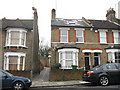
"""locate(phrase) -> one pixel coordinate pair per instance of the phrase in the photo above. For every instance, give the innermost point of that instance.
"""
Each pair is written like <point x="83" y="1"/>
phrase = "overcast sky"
<point x="69" y="9"/>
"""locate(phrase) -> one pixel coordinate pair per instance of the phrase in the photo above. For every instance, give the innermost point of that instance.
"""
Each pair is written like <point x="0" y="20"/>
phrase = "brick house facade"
<point x="20" y="45"/>
<point x="84" y="43"/>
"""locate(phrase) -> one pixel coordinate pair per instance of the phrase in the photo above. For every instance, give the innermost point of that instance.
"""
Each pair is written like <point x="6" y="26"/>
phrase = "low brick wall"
<point x="63" y="75"/>
<point x="26" y="74"/>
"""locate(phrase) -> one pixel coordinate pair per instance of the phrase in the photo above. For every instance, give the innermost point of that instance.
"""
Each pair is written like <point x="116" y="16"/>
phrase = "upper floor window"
<point x="116" y="37"/>
<point x="16" y="37"/>
<point x="64" y="35"/>
<point x="79" y="35"/>
<point x="103" y="37"/>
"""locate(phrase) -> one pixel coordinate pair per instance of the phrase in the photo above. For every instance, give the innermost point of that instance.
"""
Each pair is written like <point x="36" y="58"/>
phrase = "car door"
<point x="6" y="81"/>
<point x="118" y="76"/>
<point x="112" y="72"/>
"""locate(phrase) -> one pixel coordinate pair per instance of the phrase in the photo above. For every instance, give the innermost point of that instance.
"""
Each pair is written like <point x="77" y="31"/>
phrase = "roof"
<point x="67" y="45"/>
<point x="80" y="23"/>
<point x="104" y="24"/>
<point x="17" y="23"/>
<point x="58" y="22"/>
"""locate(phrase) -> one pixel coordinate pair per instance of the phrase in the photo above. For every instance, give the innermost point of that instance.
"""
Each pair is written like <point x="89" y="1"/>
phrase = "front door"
<point x="96" y="59"/>
<point x="87" y="61"/>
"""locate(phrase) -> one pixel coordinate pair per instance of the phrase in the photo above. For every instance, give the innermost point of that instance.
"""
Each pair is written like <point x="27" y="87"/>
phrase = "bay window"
<point x="16" y="37"/>
<point x="68" y="57"/>
<point x="14" y="61"/>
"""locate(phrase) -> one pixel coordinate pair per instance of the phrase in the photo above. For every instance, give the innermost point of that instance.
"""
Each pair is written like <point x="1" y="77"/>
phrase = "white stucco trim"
<point x="18" y="54"/>
<point x="92" y="51"/>
<point x="67" y="49"/>
<point x="112" y="50"/>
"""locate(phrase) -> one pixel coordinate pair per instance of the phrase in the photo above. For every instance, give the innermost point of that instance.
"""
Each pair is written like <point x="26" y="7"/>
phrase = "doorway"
<point x="87" y="61"/>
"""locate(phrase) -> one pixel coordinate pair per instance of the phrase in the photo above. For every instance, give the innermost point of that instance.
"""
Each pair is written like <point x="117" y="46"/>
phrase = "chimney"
<point x="110" y="14"/>
<point x="53" y="13"/>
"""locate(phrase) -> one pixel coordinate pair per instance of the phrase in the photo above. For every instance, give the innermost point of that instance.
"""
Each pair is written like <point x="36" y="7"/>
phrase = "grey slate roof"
<point x="104" y="24"/>
<point x="17" y="23"/>
<point x="68" y="23"/>
<point x="97" y="24"/>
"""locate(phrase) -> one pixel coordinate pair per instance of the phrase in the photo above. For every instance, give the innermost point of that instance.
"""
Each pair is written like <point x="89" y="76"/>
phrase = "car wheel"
<point x="104" y="80"/>
<point x="18" y="86"/>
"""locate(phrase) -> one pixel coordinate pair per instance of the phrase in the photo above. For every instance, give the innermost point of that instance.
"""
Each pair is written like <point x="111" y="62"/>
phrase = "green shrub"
<point x="56" y="66"/>
<point x="74" y="67"/>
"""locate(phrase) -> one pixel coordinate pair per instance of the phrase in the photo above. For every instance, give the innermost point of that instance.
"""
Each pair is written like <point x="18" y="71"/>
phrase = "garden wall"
<point x="63" y="75"/>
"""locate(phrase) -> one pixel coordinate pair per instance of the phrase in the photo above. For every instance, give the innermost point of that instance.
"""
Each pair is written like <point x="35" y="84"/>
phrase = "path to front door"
<point x="43" y="76"/>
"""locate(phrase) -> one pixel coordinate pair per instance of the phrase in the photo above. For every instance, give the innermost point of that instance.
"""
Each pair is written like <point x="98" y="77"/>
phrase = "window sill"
<point x="79" y="42"/>
<point x="15" y="46"/>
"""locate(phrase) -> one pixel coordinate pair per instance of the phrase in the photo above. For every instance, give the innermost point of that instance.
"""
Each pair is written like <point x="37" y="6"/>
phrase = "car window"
<point x="2" y="75"/>
<point x="118" y="65"/>
<point x="110" y="67"/>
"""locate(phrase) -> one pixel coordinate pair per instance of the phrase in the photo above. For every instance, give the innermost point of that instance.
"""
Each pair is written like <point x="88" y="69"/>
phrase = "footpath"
<point x="42" y="80"/>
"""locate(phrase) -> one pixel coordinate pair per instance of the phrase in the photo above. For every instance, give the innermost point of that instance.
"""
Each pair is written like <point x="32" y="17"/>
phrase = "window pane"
<point x="116" y="37"/>
<point x="69" y="55"/>
<point x="15" y="38"/>
<point x="13" y="62"/>
<point x="103" y="37"/>
<point x="64" y="32"/>
<point x="64" y="36"/>
<point x="79" y="39"/>
<point x="23" y="38"/>
<point x="79" y="35"/>
<point x="117" y="57"/>
<point x="21" y="63"/>
<point x="69" y="63"/>
<point x="63" y="39"/>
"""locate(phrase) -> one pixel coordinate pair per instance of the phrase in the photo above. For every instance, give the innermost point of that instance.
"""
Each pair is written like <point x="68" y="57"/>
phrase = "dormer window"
<point x="16" y="37"/>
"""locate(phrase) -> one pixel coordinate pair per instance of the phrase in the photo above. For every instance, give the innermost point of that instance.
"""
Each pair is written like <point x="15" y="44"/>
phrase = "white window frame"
<point x="98" y="58"/>
<point x="116" y="31"/>
<point x="112" y="52"/>
<point x="19" y="55"/>
<point x="63" y="29"/>
<point x="80" y="29"/>
<point x="103" y="37"/>
<point x="63" y="60"/>
<point x="8" y="36"/>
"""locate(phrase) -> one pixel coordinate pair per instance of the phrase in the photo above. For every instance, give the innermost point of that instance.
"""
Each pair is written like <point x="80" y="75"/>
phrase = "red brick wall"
<point x="26" y="74"/>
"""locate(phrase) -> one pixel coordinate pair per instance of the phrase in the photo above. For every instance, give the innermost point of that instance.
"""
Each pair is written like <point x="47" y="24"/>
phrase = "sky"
<point x="68" y="9"/>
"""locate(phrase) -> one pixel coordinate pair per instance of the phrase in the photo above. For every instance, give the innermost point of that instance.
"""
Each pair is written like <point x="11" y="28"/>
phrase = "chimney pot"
<point x="53" y="13"/>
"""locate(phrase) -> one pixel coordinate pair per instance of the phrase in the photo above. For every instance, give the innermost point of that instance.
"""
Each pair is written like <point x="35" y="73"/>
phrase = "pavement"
<point x="42" y="80"/>
<point x="57" y="83"/>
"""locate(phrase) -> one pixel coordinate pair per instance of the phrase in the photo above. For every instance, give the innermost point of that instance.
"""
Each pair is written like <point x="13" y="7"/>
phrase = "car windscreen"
<point x="8" y="73"/>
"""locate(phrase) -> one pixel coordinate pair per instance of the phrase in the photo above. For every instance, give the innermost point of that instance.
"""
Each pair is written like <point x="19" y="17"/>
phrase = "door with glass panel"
<point x="96" y="59"/>
<point x="87" y="61"/>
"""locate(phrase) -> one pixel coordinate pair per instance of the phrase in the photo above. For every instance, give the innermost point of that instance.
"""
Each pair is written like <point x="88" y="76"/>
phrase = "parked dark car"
<point x="103" y="74"/>
<point x="13" y="82"/>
